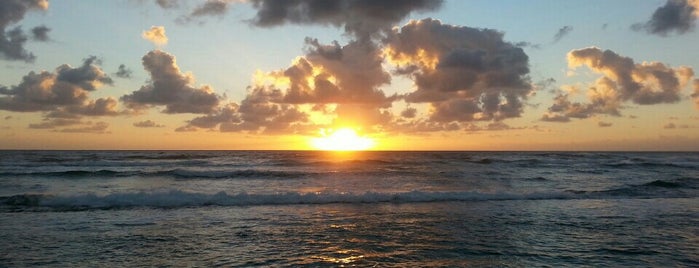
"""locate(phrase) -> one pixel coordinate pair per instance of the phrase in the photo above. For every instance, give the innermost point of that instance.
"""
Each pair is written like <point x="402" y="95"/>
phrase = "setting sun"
<point x="344" y="139"/>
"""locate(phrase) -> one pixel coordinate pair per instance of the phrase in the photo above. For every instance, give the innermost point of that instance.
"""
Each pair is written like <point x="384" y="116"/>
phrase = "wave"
<point x="678" y="188"/>
<point x="176" y="173"/>
<point x="180" y="199"/>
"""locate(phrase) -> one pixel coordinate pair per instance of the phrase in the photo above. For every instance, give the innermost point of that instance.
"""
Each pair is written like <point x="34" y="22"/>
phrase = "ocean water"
<point x="382" y="209"/>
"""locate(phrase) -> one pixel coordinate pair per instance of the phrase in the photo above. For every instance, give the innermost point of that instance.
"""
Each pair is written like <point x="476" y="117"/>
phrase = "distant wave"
<point x="684" y="187"/>
<point x="179" y="199"/>
<point x="177" y="173"/>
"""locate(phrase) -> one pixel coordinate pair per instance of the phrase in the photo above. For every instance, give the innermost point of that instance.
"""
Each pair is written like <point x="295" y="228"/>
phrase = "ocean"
<point x="323" y="209"/>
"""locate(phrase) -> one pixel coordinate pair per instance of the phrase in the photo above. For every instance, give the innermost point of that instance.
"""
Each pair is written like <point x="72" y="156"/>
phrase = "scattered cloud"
<point x="672" y="125"/>
<point x="562" y="32"/>
<point x="604" y="124"/>
<point x="675" y="16"/>
<point x="359" y="18"/>
<point x="41" y="33"/>
<point x="66" y="89"/>
<point x="148" y="124"/>
<point x="12" y="41"/>
<point x="171" y="88"/>
<point x="464" y="73"/>
<point x="209" y="8"/>
<point x="623" y="80"/>
<point x="123" y="72"/>
<point x="96" y="128"/>
<point x="695" y="95"/>
<point x="155" y="35"/>
<point x="167" y="3"/>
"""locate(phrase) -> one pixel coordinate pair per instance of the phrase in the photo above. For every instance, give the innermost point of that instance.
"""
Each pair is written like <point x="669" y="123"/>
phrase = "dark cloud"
<point x="409" y="113"/>
<point x="167" y="3"/>
<point x="359" y="17"/>
<point x="675" y="16"/>
<point x="12" y="41"/>
<point x="147" y="124"/>
<point x="71" y="125"/>
<point x="465" y="73"/>
<point x="562" y="32"/>
<point x="207" y="9"/>
<point x="41" y="33"/>
<point x="211" y="8"/>
<point x="695" y="95"/>
<point x="123" y="72"/>
<point x="171" y="88"/>
<point x="623" y="81"/>
<point x="604" y="124"/>
<point x="89" y="76"/>
<point x="68" y="88"/>
<point x="56" y="122"/>
<point x="528" y="44"/>
<point x="12" y="45"/>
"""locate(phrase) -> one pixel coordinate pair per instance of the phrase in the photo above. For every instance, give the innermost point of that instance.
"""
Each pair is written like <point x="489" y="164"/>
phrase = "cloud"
<point x="147" y="124"/>
<point x="208" y="9"/>
<point x="623" y="80"/>
<point x="123" y="72"/>
<point x="96" y="128"/>
<point x="167" y="3"/>
<point x="604" y="124"/>
<point x="562" y="32"/>
<point x="695" y="95"/>
<point x="211" y="8"/>
<point x="12" y="41"/>
<point x="66" y="89"/>
<point x="41" y="33"/>
<point x="675" y="16"/>
<point x="464" y="73"/>
<point x="171" y="88"/>
<point x="155" y="35"/>
<point x="359" y="17"/>
<point x="71" y="125"/>
<point x="56" y="122"/>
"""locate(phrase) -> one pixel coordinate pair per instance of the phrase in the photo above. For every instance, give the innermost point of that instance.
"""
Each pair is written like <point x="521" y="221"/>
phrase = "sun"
<point x="343" y="139"/>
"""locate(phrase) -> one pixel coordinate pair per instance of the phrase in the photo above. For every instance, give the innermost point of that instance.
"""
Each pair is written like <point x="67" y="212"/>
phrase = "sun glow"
<point x="343" y="139"/>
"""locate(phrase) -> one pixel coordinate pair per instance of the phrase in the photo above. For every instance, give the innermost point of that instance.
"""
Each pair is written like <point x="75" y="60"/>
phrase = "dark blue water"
<point x="268" y="208"/>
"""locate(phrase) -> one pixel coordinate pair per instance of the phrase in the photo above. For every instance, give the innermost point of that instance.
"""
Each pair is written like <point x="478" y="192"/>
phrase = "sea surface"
<point x="380" y="209"/>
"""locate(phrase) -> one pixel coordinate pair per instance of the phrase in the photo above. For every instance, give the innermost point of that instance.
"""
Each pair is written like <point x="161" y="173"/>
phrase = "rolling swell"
<point x="180" y="199"/>
<point x="176" y="173"/>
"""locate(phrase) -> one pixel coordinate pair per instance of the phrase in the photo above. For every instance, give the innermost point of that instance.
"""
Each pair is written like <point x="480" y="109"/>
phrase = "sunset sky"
<point x="407" y="75"/>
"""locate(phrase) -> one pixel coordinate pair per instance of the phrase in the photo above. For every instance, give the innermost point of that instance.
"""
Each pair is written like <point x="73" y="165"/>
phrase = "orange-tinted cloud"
<point x="156" y="35"/>
<point x="623" y="81"/>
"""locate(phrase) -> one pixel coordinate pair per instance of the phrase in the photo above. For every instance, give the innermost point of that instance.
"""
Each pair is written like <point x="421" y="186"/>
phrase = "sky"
<point x="406" y="75"/>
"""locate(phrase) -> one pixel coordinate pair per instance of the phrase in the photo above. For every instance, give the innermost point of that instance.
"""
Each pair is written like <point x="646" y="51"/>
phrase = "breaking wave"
<point x="180" y="199"/>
